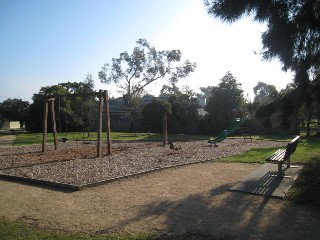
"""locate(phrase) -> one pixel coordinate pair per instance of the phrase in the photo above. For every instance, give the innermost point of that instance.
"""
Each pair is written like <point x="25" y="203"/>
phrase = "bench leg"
<point x="288" y="162"/>
<point x="279" y="170"/>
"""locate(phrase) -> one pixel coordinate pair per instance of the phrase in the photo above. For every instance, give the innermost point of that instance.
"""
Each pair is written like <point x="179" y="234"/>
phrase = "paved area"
<point x="263" y="181"/>
<point x="6" y="140"/>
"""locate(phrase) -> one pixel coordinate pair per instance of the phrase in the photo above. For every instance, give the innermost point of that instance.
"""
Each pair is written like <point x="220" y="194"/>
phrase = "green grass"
<point x="10" y="230"/>
<point x="255" y="155"/>
<point x="17" y="230"/>
<point x="307" y="150"/>
<point x="32" y="138"/>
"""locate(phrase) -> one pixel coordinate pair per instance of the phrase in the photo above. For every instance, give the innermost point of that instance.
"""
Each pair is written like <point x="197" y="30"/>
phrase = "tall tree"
<point x="184" y="111"/>
<point x="264" y="93"/>
<point x="206" y="92"/>
<point x="292" y="36"/>
<point x="167" y="91"/>
<point x="225" y="97"/>
<point x="153" y="113"/>
<point x="133" y="72"/>
<point x="293" y="32"/>
<point x="73" y="113"/>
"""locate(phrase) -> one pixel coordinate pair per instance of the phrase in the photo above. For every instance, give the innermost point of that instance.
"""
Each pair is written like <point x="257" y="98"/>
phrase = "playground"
<point x="166" y="199"/>
<point x="75" y="165"/>
<point x="147" y="186"/>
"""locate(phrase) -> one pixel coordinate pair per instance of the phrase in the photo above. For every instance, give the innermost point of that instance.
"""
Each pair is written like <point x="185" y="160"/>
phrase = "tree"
<point x="292" y="36"/>
<point x="293" y="32"/>
<point x="184" y="111"/>
<point x="15" y="109"/>
<point x="225" y="97"/>
<point x="264" y="93"/>
<point x="73" y="113"/>
<point x="168" y="91"/>
<point x="132" y="73"/>
<point x="206" y="92"/>
<point x="279" y="111"/>
<point x="153" y="113"/>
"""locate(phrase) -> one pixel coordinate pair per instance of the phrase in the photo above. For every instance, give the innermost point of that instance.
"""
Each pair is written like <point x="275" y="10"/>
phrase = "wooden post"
<point x="165" y="128"/>
<point x="99" y="125"/>
<point x="45" y="125"/>
<point x="54" y="125"/>
<point x="107" y="112"/>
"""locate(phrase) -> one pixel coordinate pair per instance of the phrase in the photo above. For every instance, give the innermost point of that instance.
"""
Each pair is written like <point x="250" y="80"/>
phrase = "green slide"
<point x="225" y="133"/>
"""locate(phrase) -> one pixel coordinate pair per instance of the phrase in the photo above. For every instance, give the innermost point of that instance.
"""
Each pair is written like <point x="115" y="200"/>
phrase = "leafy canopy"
<point x="153" y="113"/>
<point x="73" y="113"/>
<point x="225" y="97"/>
<point x="264" y="93"/>
<point x="293" y="27"/>
<point x="132" y="72"/>
<point x="14" y="109"/>
<point x="292" y="36"/>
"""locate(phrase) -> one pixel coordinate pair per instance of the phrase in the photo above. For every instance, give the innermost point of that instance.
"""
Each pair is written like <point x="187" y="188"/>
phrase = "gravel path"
<point x="75" y="163"/>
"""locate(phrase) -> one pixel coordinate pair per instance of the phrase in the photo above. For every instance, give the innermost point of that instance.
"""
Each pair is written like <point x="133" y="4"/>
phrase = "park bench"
<point x="282" y="155"/>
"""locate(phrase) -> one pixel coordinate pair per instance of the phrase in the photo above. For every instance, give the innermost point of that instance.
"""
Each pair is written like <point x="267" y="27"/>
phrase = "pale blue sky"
<point x="46" y="42"/>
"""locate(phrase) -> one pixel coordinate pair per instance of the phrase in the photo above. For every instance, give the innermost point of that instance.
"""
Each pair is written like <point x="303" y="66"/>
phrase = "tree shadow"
<point x="306" y="190"/>
<point x="220" y="212"/>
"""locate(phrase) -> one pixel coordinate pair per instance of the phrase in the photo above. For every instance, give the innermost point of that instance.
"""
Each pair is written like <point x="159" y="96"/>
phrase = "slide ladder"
<point x="244" y="127"/>
<point x="245" y="130"/>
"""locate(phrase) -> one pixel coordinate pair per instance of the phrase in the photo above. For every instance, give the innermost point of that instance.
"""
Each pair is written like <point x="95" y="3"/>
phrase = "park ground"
<point x="186" y="201"/>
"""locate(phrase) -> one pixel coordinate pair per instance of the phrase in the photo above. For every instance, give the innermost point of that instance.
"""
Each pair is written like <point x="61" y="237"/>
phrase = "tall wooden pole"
<point x="165" y="128"/>
<point x="45" y="125"/>
<point x="54" y="125"/>
<point x="99" y="125"/>
<point x="107" y="112"/>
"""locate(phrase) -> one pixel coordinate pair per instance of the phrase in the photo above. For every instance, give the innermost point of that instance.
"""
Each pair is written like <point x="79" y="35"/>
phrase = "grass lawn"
<point x="32" y="138"/>
<point x="10" y="230"/>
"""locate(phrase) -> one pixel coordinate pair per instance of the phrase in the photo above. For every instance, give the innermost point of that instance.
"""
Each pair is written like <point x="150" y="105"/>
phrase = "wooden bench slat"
<point x="277" y="156"/>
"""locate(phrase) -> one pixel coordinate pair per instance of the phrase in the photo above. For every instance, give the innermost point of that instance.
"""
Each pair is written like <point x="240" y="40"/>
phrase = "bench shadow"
<point x="266" y="185"/>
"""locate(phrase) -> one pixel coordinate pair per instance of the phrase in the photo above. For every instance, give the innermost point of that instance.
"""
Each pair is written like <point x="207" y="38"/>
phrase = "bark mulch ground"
<point x="75" y="164"/>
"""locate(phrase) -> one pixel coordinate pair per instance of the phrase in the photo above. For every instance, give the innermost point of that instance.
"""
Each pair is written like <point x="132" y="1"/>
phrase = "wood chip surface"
<point x="76" y="163"/>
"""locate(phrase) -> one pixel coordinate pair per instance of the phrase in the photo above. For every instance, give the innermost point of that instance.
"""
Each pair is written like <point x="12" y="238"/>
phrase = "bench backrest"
<point x="291" y="147"/>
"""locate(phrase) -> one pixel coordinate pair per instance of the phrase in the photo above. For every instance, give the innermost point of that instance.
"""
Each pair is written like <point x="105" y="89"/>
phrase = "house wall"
<point x="11" y="125"/>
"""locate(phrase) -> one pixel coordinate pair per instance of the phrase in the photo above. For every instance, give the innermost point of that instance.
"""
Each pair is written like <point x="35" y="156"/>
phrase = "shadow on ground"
<point x="306" y="189"/>
<point x="237" y="216"/>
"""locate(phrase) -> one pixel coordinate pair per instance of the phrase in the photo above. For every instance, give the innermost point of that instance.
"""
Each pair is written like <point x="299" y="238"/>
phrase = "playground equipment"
<point x="103" y="99"/>
<point x="225" y="133"/>
<point x="239" y="122"/>
<point x="244" y="127"/>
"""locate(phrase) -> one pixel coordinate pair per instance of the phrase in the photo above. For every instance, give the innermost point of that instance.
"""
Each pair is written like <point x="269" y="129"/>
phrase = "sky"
<point x="46" y="42"/>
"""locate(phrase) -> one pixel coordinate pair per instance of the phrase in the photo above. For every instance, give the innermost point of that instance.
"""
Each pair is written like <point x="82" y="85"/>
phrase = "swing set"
<point x="49" y="102"/>
<point x="86" y="122"/>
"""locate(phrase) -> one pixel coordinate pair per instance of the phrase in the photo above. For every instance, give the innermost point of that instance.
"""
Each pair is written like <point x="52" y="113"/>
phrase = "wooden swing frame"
<point x="103" y="97"/>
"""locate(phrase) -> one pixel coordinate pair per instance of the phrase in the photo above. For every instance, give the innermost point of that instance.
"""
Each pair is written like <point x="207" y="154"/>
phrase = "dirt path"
<point x="183" y="199"/>
<point x="6" y="140"/>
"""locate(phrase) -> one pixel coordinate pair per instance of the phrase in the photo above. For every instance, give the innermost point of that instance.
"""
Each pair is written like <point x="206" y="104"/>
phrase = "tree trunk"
<point x="165" y="128"/>
<point x="309" y="121"/>
<point x="131" y="127"/>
